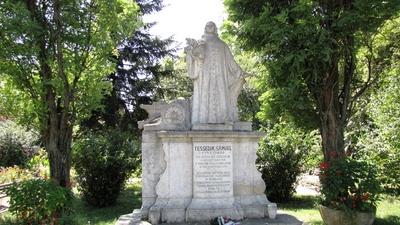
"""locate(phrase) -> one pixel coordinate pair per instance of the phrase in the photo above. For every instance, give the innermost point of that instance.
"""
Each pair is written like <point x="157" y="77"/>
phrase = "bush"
<point x="348" y="184"/>
<point x="39" y="164"/>
<point x="371" y="146"/>
<point x="14" y="174"/>
<point x="38" y="201"/>
<point x="16" y="145"/>
<point x="280" y="158"/>
<point x="103" y="161"/>
<point x="36" y="167"/>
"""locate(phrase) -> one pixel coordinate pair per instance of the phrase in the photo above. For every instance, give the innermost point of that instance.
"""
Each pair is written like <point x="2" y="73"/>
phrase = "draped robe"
<point x="218" y="80"/>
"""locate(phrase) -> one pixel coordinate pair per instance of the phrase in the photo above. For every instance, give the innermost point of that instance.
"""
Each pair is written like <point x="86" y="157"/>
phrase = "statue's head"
<point x="211" y="28"/>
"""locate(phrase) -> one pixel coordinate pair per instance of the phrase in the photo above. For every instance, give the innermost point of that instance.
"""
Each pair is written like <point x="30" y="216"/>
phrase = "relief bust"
<point x="217" y="79"/>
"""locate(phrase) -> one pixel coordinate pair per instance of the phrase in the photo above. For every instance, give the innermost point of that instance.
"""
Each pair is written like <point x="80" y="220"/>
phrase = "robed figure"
<point x="217" y="79"/>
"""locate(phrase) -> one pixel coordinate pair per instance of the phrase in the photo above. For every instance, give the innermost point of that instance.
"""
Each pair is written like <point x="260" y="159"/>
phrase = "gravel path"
<point x="308" y="185"/>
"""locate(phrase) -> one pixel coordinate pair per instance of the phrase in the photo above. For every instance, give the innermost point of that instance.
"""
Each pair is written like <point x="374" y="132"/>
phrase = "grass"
<point x="305" y="209"/>
<point x="81" y="214"/>
<point x="302" y="207"/>
<point x="129" y="199"/>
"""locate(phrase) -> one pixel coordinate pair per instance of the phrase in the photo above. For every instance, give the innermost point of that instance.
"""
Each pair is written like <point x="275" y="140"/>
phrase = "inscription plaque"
<point x="212" y="172"/>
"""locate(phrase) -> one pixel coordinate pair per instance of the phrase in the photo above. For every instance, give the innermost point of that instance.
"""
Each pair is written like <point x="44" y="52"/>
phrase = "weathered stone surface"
<point x="217" y="79"/>
<point x="153" y="165"/>
<point x="133" y="218"/>
<point x="340" y="217"/>
<point x="207" y="174"/>
<point x="281" y="219"/>
<point x="174" y="115"/>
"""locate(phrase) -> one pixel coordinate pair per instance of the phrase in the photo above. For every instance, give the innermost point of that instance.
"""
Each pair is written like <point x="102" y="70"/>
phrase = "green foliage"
<point x="176" y="86"/>
<point x="91" y="32"/>
<point x="282" y="156"/>
<point x="319" y="58"/>
<point x="103" y="162"/>
<point x="373" y="133"/>
<point x="54" y="58"/>
<point x="36" y="168"/>
<point x="138" y="74"/>
<point x="14" y="174"/>
<point x="38" y="201"/>
<point x="11" y="151"/>
<point x="349" y="184"/>
<point x="17" y="145"/>
<point x="39" y="164"/>
<point x="249" y="106"/>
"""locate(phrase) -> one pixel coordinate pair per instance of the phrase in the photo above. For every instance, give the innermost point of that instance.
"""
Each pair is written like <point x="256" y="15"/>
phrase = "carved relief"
<point x="167" y="116"/>
<point x="174" y="114"/>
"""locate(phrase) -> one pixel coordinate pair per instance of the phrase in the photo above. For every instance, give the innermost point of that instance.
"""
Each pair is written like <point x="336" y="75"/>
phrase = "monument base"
<point x="201" y="209"/>
<point x="280" y="219"/>
<point x="206" y="174"/>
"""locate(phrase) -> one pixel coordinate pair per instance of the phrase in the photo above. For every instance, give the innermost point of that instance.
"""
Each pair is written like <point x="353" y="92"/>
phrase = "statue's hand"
<point x="201" y="42"/>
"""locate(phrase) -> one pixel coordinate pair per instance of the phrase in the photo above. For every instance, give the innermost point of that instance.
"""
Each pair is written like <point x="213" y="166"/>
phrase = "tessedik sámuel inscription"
<point x="212" y="169"/>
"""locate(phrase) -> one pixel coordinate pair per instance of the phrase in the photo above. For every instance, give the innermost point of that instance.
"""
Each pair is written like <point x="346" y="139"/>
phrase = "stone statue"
<point x="217" y="78"/>
<point x="198" y="159"/>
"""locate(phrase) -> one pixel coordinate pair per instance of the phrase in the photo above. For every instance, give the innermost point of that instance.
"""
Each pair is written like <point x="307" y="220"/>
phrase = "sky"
<point x="186" y="18"/>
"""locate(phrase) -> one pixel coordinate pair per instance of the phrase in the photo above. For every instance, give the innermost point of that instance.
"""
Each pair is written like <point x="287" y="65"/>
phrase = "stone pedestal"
<point x="204" y="174"/>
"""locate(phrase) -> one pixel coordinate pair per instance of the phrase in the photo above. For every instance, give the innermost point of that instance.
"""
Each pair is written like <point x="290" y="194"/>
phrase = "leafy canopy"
<point x="302" y="41"/>
<point x="77" y="44"/>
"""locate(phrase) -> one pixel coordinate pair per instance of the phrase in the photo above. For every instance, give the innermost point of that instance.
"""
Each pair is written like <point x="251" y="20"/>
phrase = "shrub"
<point x="14" y="174"/>
<point x="280" y="158"/>
<point x="377" y="150"/>
<point x="36" y="167"/>
<point x="39" y="164"/>
<point x="16" y="144"/>
<point x="38" y="201"/>
<point x="349" y="184"/>
<point x="103" y="161"/>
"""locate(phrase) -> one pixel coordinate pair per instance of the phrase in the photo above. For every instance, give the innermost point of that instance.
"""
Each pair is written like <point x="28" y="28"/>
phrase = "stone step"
<point x="133" y="218"/>
<point x="281" y="219"/>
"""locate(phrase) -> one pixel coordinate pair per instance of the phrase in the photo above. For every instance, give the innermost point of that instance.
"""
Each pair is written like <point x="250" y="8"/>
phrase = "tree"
<point x="54" y="57"/>
<point x="375" y="131"/>
<point x="138" y="72"/>
<point x="177" y="85"/>
<point x="310" y="48"/>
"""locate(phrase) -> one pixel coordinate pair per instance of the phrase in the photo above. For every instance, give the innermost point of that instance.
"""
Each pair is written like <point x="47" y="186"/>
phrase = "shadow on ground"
<point x="300" y="202"/>
<point x="128" y="200"/>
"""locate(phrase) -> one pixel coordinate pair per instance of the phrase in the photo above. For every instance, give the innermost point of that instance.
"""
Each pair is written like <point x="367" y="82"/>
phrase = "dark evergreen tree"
<point x="137" y="75"/>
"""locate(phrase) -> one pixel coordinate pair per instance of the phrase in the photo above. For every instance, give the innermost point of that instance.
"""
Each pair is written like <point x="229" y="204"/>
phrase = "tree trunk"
<point x="331" y="126"/>
<point x="57" y="138"/>
<point x="56" y="120"/>
<point x="58" y="145"/>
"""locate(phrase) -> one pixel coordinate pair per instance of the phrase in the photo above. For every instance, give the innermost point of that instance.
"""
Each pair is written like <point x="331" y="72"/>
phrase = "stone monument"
<point x="198" y="159"/>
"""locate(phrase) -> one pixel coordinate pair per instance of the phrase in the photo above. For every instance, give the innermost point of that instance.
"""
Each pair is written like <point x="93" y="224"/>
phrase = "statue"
<point x="217" y="79"/>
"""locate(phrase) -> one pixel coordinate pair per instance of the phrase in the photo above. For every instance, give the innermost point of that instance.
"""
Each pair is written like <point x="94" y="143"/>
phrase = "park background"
<point x="74" y="73"/>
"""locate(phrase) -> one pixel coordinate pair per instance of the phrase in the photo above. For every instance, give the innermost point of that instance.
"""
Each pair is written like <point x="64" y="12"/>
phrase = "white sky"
<point x="186" y="18"/>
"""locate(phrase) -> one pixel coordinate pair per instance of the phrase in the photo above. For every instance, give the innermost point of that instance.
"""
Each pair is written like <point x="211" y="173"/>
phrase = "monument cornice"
<point x="210" y="134"/>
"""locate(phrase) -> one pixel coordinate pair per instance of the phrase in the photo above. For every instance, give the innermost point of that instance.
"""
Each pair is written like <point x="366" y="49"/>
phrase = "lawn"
<point x="305" y="209"/>
<point x="82" y="214"/>
<point x="302" y="207"/>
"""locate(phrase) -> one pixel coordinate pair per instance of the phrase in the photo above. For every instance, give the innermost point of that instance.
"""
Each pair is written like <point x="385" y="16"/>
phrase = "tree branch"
<point x="85" y="52"/>
<point x="349" y="68"/>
